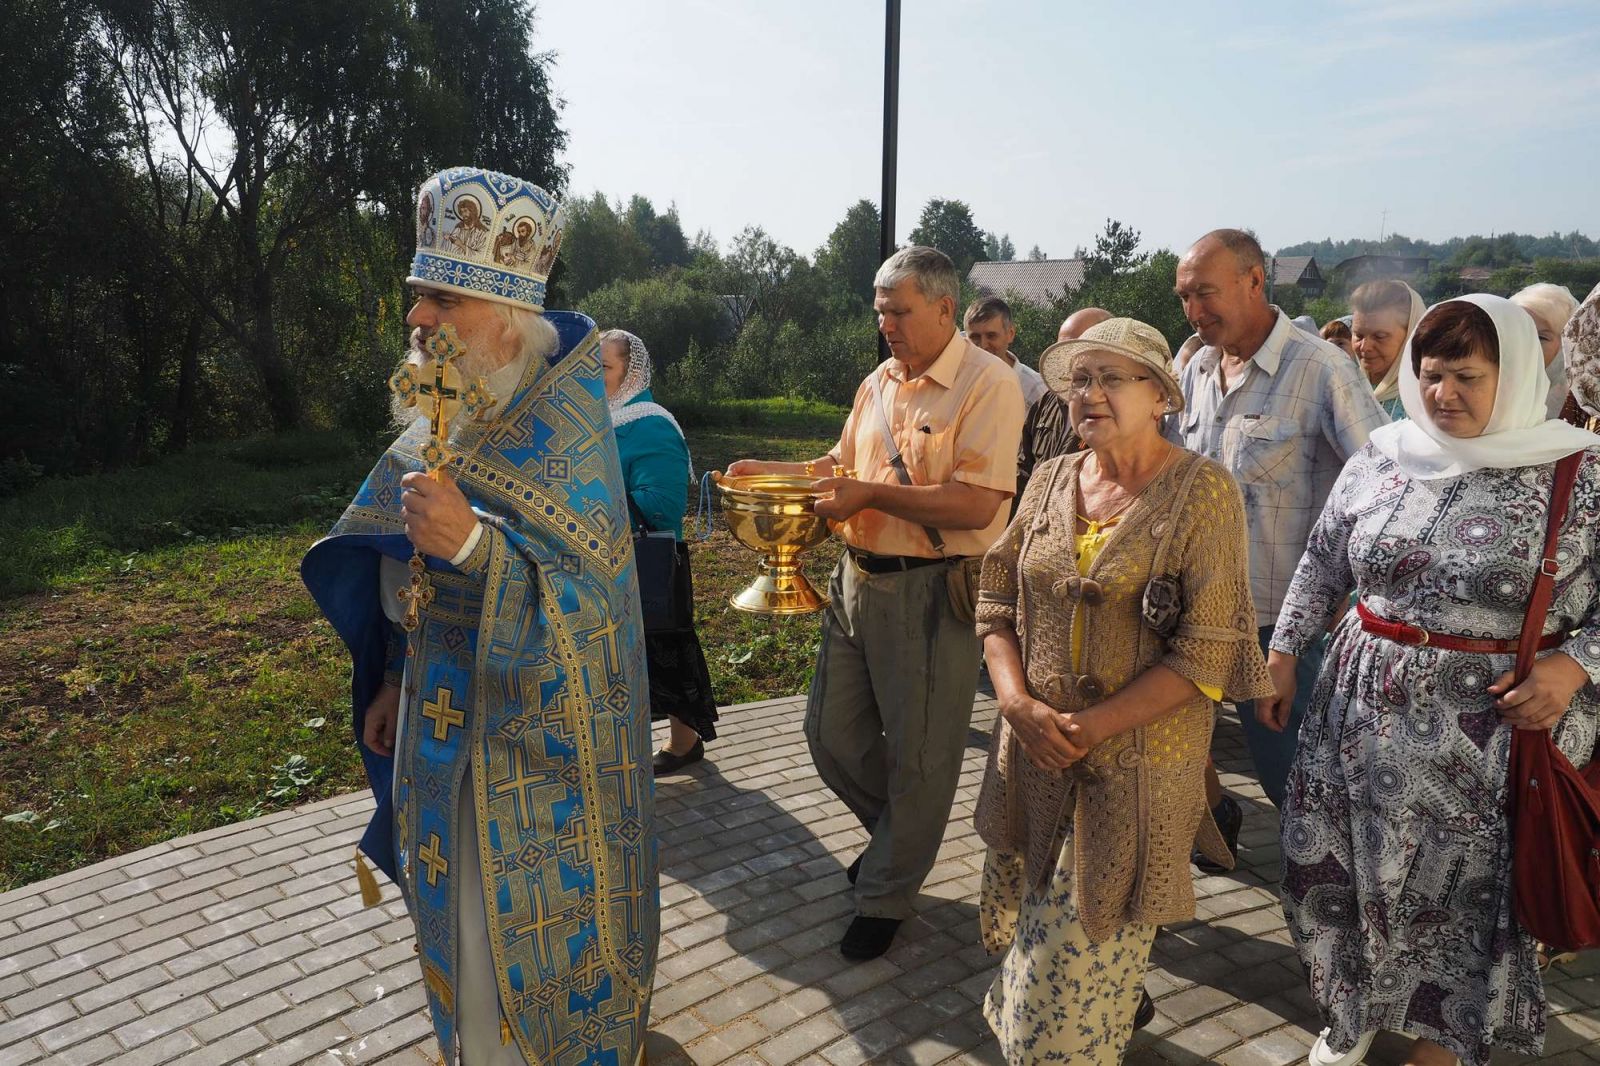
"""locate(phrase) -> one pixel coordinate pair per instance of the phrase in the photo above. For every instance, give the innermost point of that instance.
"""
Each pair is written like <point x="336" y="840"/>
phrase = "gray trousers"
<point x="887" y="720"/>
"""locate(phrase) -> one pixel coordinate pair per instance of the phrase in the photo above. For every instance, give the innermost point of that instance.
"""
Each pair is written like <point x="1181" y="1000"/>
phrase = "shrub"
<point x="665" y="312"/>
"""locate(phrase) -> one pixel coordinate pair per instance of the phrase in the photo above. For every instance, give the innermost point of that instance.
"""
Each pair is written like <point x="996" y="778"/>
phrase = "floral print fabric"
<point x="1059" y="997"/>
<point x="1396" y="849"/>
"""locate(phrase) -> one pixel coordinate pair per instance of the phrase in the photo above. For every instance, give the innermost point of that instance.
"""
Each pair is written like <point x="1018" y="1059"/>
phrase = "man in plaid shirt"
<point x="1282" y="410"/>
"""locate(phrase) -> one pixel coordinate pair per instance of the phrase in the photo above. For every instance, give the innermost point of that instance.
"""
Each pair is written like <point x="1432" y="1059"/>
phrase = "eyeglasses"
<point x="1111" y="381"/>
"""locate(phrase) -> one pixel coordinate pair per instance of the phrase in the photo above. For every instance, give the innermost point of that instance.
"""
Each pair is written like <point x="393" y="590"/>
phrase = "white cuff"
<point x="466" y="548"/>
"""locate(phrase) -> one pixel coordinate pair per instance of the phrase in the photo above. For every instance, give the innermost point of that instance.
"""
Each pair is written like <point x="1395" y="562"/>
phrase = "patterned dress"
<point x="1396" y="849"/>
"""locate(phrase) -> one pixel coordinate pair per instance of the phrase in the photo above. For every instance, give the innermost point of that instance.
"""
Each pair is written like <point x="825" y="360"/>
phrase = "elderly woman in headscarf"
<point x="1396" y="846"/>
<point x="1382" y="315"/>
<point x="1550" y="307"/>
<point x="1114" y="609"/>
<point x="656" y="473"/>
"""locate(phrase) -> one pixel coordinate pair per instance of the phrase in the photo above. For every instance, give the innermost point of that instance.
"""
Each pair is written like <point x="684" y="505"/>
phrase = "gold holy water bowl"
<point x="775" y="515"/>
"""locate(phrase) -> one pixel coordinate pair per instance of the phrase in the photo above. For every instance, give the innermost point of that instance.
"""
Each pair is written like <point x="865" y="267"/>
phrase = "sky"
<point x="1297" y="120"/>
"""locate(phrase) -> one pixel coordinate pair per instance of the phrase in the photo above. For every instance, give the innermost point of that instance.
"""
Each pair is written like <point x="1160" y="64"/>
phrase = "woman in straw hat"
<point x="1115" y="608"/>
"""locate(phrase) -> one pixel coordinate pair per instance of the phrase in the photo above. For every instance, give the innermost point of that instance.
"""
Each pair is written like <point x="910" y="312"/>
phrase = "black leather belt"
<point x="893" y="564"/>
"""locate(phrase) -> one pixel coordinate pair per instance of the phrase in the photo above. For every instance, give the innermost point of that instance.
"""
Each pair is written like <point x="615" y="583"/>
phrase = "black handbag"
<point x="663" y="567"/>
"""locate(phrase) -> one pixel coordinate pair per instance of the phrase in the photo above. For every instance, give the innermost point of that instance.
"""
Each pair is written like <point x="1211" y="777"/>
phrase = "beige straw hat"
<point x="1128" y="337"/>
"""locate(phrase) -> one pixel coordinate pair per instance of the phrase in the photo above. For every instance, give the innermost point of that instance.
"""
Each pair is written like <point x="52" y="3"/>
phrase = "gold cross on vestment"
<point x="439" y="400"/>
<point x="438" y="866"/>
<point x="517" y="780"/>
<point x="443" y="715"/>
<point x="607" y="636"/>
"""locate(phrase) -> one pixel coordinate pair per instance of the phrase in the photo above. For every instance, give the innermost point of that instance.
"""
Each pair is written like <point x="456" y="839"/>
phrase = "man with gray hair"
<point x="1282" y="409"/>
<point x="918" y="483"/>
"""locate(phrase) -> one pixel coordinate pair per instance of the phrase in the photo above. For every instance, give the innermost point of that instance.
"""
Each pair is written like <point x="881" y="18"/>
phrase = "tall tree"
<point x="275" y="117"/>
<point x="761" y="276"/>
<point x="998" y="249"/>
<point x="947" y="225"/>
<point x="1116" y="251"/>
<point x="849" y="260"/>
<point x="661" y="234"/>
<point x="502" y="113"/>
<point x="600" y="247"/>
<point x="1037" y="254"/>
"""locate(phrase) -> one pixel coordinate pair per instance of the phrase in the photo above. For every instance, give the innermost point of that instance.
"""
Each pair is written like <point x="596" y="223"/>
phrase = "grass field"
<point x="163" y="671"/>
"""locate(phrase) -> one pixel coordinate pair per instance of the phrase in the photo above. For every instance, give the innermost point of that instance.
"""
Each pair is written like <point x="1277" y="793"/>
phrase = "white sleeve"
<point x="468" y="546"/>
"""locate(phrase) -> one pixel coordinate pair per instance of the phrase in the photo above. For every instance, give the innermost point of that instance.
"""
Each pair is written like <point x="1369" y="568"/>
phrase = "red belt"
<point x="1402" y="633"/>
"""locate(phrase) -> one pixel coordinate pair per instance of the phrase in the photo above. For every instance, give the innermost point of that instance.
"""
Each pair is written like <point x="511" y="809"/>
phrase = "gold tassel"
<point x="369" y="884"/>
<point x="505" y="1032"/>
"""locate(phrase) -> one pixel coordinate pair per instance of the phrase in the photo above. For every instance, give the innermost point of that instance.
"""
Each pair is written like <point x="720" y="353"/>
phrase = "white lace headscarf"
<point x="635" y="380"/>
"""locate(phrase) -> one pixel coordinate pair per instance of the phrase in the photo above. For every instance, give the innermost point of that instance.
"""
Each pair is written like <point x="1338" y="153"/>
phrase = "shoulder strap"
<point x="1544" y="583"/>
<point x="893" y="450"/>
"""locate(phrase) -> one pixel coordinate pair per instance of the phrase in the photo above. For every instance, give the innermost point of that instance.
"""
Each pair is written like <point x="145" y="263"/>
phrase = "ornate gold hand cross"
<point x="440" y="399"/>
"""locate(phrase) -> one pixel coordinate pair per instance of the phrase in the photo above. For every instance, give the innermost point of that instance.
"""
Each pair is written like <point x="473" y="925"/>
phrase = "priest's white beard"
<point x="473" y="363"/>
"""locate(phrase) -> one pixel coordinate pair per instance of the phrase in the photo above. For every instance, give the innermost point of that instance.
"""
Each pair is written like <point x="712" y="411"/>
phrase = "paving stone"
<point x="20" y="1029"/>
<point x="802" y="1040"/>
<point x="370" y="1047"/>
<point x="312" y="1013"/>
<point x="303" y="1046"/>
<point x="736" y="1002"/>
<point x="150" y="1026"/>
<point x="99" y="1049"/>
<point x="229" y="1049"/>
<point x="22" y="1003"/>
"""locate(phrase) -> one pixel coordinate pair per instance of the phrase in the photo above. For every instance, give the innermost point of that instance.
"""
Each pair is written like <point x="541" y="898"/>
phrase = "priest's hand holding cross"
<point x="437" y="517"/>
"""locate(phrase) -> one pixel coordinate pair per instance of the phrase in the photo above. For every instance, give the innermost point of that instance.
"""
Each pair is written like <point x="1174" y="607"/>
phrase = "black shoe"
<point x="1229" y="817"/>
<point x="867" y="938"/>
<point x="853" y="871"/>
<point x="667" y="763"/>
<point x="1146" y="1012"/>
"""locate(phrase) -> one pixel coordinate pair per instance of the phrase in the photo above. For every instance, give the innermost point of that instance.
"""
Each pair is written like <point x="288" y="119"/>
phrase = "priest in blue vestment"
<point x="507" y="736"/>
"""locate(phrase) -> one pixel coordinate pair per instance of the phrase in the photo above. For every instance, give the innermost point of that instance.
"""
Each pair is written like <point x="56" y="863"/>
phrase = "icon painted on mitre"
<point x="517" y="244"/>
<point x="547" y="258"/>
<point x="470" y="232"/>
<point x="427" y="230"/>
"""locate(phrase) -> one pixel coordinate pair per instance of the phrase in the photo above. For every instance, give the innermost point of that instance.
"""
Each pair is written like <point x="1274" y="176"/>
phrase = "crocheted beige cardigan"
<point x="1135" y="806"/>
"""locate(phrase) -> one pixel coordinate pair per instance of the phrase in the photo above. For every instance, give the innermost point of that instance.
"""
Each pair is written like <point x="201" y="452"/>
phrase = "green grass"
<point x="67" y="529"/>
<point x="162" y="670"/>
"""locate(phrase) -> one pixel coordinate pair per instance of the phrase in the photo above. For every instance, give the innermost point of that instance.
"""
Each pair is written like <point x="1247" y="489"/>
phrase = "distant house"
<point x="1475" y="274"/>
<point x="1300" y="271"/>
<point x="1037" y="281"/>
<point x="1363" y="268"/>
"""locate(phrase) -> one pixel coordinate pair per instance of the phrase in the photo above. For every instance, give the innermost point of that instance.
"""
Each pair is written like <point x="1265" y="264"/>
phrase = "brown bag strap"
<point x="896" y="460"/>
<point x="1544" y="583"/>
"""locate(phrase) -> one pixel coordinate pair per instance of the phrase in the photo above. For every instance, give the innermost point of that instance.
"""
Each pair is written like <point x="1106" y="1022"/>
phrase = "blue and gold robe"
<point x="528" y="669"/>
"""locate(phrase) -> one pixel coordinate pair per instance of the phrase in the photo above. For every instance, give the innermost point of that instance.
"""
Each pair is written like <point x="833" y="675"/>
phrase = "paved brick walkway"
<point x="248" y="944"/>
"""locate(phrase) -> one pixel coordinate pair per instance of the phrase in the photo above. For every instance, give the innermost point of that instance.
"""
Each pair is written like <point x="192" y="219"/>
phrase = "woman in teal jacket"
<point x="656" y="472"/>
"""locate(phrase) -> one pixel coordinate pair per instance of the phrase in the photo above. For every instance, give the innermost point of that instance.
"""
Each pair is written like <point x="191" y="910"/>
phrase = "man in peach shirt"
<point x="892" y="694"/>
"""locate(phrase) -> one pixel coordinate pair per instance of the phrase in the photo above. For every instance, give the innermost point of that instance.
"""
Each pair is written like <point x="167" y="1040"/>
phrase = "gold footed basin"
<point x="774" y="515"/>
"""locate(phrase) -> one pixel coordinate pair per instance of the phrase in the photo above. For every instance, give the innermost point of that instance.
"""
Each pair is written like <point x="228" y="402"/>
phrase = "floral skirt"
<point x="1059" y="997"/>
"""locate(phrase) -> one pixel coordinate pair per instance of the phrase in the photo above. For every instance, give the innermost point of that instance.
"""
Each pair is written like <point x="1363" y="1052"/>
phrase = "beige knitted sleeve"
<point x="999" y="580"/>
<point x="1216" y="642"/>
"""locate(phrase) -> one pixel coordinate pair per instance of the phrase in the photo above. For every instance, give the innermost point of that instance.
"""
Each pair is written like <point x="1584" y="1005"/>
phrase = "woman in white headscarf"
<point x="1382" y="315"/>
<point x="1550" y="307"/>
<point x="656" y="472"/>
<point x="1396" y="850"/>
